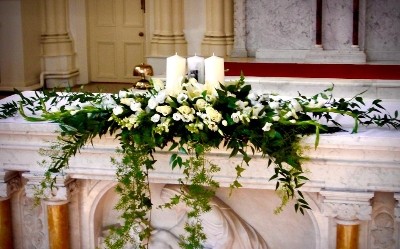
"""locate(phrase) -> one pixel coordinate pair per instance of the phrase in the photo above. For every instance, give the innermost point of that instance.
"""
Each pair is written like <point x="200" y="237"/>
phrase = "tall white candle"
<point x="214" y="71"/>
<point x="196" y="68"/>
<point x="176" y="69"/>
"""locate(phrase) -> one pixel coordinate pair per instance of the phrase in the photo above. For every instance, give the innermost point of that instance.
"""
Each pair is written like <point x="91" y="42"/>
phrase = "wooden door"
<point x="116" y="39"/>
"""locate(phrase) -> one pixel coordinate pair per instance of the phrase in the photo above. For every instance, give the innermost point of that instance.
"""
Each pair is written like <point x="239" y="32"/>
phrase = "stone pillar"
<point x="337" y="29"/>
<point x="218" y="38"/>
<point x="168" y="37"/>
<point x="239" y="13"/>
<point x="57" y="47"/>
<point x="56" y="200"/>
<point x="347" y="209"/>
<point x="9" y="183"/>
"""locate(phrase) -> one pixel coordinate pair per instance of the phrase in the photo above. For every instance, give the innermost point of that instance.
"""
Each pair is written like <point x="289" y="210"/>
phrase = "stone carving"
<point x="347" y="211"/>
<point x="382" y="231"/>
<point x="10" y="184"/>
<point x="223" y="227"/>
<point x="33" y="225"/>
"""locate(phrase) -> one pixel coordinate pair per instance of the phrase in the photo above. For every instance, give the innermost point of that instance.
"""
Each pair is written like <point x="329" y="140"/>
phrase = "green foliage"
<point x="190" y="124"/>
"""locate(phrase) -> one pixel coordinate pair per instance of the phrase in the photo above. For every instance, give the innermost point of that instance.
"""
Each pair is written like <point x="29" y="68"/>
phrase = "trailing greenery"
<point x="190" y="122"/>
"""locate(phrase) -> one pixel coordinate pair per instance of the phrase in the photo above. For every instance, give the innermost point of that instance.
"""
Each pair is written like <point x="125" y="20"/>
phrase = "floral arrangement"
<point x="190" y="121"/>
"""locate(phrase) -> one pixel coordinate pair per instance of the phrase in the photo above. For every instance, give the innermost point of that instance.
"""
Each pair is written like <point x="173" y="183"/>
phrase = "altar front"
<point x="354" y="188"/>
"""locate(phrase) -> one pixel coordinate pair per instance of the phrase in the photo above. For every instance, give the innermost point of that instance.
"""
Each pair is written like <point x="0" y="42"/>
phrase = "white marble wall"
<point x="285" y="31"/>
<point x="382" y="30"/>
<point x="278" y="25"/>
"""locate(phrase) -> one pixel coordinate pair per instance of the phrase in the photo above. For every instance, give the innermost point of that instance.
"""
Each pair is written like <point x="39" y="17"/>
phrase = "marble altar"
<point x="354" y="183"/>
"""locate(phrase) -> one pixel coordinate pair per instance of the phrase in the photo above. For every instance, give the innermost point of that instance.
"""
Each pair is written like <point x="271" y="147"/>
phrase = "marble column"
<point x="57" y="46"/>
<point x="168" y="37"/>
<point x="348" y="210"/>
<point x="239" y="12"/>
<point x="9" y="183"/>
<point x="56" y="200"/>
<point x="218" y="37"/>
<point x="337" y="29"/>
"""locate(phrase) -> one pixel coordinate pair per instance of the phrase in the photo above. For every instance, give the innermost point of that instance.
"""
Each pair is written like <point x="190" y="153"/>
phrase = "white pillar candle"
<point x="176" y="69"/>
<point x="214" y="71"/>
<point x="196" y="68"/>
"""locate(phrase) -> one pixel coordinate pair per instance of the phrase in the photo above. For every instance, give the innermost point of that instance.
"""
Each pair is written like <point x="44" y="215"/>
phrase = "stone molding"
<point x="59" y="194"/>
<point x="397" y="207"/>
<point x="348" y="208"/>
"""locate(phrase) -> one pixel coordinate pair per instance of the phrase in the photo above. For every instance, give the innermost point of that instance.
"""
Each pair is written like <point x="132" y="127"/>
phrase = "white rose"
<point x="224" y="122"/>
<point x="161" y="96"/>
<point x="118" y="110"/>
<point x="236" y="117"/>
<point x="155" y="118"/>
<point x="213" y="114"/>
<point x="164" y="109"/>
<point x="267" y="126"/>
<point x="185" y="110"/>
<point x="158" y="84"/>
<point x="201" y="104"/>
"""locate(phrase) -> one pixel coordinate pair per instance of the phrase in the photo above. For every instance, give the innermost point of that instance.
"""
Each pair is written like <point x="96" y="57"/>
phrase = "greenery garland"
<point x="190" y="122"/>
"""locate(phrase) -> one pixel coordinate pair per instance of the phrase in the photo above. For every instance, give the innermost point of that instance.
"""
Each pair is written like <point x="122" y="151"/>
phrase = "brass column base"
<point x="58" y="221"/>
<point x="6" y="234"/>
<point x="347" y="236"/>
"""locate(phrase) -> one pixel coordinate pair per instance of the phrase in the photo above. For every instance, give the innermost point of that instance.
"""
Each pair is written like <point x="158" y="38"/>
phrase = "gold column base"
<point x="6" y="234"/>
<point x="58" y="221"/>
<point x="347" y="236"/>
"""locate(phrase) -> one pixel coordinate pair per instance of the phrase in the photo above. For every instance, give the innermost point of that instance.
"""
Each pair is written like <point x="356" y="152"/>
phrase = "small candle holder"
<point x="143" y="70"/>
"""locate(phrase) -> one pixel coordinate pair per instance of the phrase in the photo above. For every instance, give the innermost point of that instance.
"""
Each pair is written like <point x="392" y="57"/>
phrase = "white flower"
<point x="213" y="114"/>
<point x="201" y="104"/>
<point x="185" y="110"/>
<point x="135" y="106"/>
<point x="276" y="118"/>
<point x="252" y="96"/>
<point x="236" y="117"/>
<point x="122" y="94"/>
<point x="158" y="84"/>
<point x="224" y="122"/>
<point x="160" y="97"/>
<point x="73" y="112"/>
<point x="241" y="104"/>
<point x="213" y="126"/>
<point x="164" y="109"/>
<point x="273" y="105"/>
<point x="292" y="121"/>
<point x="126" y="101"/>
<point x="152" y="103"/>
<point x="155" y="118"/>
<point x="288" y="114"/>
<point x="182" y="97"/>
<point x="267" y="126"/>
<point x="177" y="116"/>
<point x="118" y="110"/>
<point x="296" y="106"/>
<point x="321" y="101"/>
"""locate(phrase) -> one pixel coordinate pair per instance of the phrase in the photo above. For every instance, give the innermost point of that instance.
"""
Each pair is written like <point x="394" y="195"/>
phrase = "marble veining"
<point x="278" y="24"/>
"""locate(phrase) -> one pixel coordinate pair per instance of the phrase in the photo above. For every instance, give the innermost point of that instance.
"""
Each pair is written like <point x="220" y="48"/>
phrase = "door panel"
<point x="115" y="44"/>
